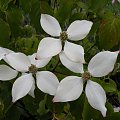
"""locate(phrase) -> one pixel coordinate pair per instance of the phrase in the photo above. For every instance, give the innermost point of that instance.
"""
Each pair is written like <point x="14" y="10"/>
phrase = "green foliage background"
<point x="20" y="30"/>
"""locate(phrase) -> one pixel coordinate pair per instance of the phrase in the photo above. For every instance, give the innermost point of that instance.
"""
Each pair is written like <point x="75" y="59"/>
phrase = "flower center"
<point x="86" y="76"/>
<point x="33" y="69"/>
<point x="63" y="36"/>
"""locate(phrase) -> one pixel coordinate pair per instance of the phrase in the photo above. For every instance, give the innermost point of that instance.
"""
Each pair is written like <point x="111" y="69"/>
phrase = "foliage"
<point x="20" y="30"/>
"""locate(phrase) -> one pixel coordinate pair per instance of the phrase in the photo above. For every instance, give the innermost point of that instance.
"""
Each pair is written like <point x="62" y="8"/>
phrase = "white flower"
<point x="116" y="109"/>
<point x="49" y="46"/>
<point x="70" y="88"/>
<point x="4" y="52"/>
<point x="45" y="80"/>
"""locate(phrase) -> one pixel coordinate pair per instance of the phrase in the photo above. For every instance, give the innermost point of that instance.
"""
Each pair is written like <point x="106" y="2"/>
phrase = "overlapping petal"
<point x="96" y="96"/>
<point x="19" y="61"/>
<point x="39" y="63"/>
<point x="4" y="52"/>
<point x="2" y="56"/>
<point x="102" y="63"/>
<point x="49" y="47"/>
<point x="47" y="82"/>
<point x="76" y="67"/>
<point x="31" y="92"/>
<point x="7" y="73"/>
<point x="79" y="29"/>
<point x="74" y="52"/>
<point x="69" y="89"/>
<point x="22" y="86"/>
<point x="50" y="25"/>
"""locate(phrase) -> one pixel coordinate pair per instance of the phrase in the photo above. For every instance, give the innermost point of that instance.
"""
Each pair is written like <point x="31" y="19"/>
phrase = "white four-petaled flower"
<point x="28" y="66"/>
<point x="71" y="52"/>
<point x="4" y="52"/>
<point x="71" y="87"/>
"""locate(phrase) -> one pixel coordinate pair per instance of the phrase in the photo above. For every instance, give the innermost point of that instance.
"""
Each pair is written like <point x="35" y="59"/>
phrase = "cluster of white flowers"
<point x="71" y="56"/>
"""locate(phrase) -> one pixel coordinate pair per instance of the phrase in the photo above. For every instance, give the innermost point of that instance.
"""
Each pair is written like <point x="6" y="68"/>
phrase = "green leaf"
<point x="113" y="116"/>
<point x="27" y="45"/>
<point x="4" y="4"/>
<point x="15" y="20"/>
<point x="35" y="15"/>
<point x="4" y="33"/>
<point x="89" y="112"/>
<point x="118" y="93"/>
<point x="26" y="5"/>
<point x="76" y="107"/>
<point x="13" y="114"/>
<point x="42" y="109"/>
<point x="97" y="5"/>
<point x="109" y="33"/>
<point x="64" y="11"/>
<point x="109" y="87"/>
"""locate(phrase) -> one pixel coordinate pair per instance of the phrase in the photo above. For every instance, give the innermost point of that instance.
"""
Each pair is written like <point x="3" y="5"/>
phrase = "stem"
<point x="8" y="108"/>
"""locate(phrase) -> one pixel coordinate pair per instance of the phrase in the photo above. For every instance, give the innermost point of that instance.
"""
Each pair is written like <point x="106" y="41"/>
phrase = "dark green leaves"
<point x="15" y="20"/>
<point x="109" y="33"/>
<point x="4" y="33"/>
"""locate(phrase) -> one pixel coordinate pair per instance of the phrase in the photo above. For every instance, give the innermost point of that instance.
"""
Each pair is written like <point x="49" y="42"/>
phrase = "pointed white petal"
<point x="69" y="89"/>
<point x="47" y="82"/>
<point x="39" y="63"/>
<point x="76" y="67"/>
<point x="7" y="73"/>
<point x="19" y="61"/>
<point x="49" y="47"/>
<point x="50" y="25"/>
<point x="22" y="86"/>
<point x="96" y="96"/>
<point x="31" y="92"/>
<point x="4" y="52"/>
<point x="79" y="29"/>
<point x="74" y="52"/>
<point x="102" y="63"/>
<point x="2" y="56"/>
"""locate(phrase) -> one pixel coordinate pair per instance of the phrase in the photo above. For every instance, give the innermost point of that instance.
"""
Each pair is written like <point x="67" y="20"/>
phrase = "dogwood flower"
<point x="28" y="66"/>
<point x="50" y="46"/>
<point x="4" y="52"/>
<point x="71" y="87"/>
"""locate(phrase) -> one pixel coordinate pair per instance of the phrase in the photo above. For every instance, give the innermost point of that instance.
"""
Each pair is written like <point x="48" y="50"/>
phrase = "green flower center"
<point x="63" y="36"/>
<point x="33" y="69"/>
<point x="86" y="76"/>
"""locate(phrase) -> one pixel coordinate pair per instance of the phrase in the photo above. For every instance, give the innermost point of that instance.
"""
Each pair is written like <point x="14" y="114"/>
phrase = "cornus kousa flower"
<point x="28" y="66"/>
<point x="70" y="88"/>
<point x="4" y="52"/>
<point x="50" y="46"/>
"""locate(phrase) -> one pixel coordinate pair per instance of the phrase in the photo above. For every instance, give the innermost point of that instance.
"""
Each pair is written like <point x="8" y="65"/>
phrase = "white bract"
<point x="28" y="66"/>
<point x="70" y="88"/>
<point x="50" y="46"/>
<point x="4" y="52"/>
